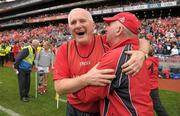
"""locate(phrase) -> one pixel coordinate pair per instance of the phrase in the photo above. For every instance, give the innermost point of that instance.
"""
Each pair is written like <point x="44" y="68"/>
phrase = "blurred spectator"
<point x="174" y="50"/>
<point x="16" y="49"/>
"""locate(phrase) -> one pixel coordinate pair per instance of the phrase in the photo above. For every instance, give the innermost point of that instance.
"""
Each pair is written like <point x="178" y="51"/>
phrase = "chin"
<point x="82" y="41"/>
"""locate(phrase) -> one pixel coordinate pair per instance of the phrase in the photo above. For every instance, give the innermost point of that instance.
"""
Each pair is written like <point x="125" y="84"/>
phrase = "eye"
<point x="73" y="22"/>
<point x="82" y="20"/>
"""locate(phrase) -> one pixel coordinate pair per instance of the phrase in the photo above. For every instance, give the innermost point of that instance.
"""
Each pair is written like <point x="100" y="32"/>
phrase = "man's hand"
<point x="134" y="64"/>
<point x="35" y="68"/>
<point x="99" y="77"/>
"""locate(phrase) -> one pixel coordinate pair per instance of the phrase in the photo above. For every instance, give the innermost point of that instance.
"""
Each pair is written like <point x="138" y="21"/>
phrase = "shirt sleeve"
<point x="95" y="93"/>
<point x="61" y="69"/>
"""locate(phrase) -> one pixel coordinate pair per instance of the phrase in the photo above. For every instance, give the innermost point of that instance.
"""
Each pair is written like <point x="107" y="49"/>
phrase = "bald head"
<point x="81" y="12"/>
<point x="35" y="43"/>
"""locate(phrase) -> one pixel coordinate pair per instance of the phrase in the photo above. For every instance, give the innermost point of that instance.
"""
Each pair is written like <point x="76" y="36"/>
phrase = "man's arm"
<point x="95" y="93"/>
<point x="134" y="64"/>
<point x="144" y="45"/>
<point x="23" y="54"/>
<point x="92" y="93"/>
<point x="93" y="77"/>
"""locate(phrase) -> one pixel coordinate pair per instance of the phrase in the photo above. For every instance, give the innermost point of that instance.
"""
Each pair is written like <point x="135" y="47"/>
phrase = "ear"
<point x="119" y="30"/>
<point x="94" y="26"/>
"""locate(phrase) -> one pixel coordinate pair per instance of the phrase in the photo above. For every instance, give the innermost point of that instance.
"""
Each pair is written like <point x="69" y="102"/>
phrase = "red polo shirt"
<point x="126" y="95"/>
<point x="73" y="60"/>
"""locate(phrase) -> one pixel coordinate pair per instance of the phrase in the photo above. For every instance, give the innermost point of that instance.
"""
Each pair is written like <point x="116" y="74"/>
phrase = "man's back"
<point x="126" y="95"/>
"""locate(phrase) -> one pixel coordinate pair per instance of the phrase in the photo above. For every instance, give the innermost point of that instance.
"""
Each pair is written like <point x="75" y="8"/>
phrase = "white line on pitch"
<point x="8" y="111"/>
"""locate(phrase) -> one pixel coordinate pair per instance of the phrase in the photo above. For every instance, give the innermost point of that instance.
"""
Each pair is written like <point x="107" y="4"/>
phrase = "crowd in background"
<point x="114" y="4"/>
<point x="165" y="37"/>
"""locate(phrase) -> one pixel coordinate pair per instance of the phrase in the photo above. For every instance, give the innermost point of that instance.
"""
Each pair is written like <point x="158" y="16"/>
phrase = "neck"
<point x="85" y="43"/>
<point x="117" y="39"/>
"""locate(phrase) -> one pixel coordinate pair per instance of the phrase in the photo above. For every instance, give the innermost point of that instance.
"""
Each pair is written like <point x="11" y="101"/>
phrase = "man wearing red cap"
<point x="127" y="95"/>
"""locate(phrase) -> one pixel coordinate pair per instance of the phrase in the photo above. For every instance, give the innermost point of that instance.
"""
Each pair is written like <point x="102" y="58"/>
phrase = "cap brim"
<point x="109" y="19"/>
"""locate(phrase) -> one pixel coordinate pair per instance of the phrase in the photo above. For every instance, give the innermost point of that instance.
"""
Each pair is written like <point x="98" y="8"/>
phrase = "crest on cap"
<point x="122" y="19"/>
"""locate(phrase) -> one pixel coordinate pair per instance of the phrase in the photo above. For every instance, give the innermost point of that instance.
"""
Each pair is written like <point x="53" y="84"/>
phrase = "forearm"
<point x="89" y="94"/>
<point x="93" y="77"/>
<point x="144" y="45"/>
<point x="70" y="85"/>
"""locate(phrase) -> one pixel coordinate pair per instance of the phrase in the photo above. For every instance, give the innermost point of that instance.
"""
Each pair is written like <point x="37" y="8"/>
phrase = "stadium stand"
<point x="24" y="20"/>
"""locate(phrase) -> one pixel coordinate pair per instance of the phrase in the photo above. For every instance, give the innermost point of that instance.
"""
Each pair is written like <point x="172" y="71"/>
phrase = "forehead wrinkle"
<point x="82" y="12"/>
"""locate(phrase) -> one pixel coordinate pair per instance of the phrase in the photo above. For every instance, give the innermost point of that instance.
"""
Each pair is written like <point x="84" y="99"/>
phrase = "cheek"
<point x="109" y="32"/>
<point x="89" y="26"/>
<point x="71" y="30"/>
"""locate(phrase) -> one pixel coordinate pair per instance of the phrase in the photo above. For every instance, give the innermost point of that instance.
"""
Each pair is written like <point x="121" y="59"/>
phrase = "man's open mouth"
<point x="81" y="33"/>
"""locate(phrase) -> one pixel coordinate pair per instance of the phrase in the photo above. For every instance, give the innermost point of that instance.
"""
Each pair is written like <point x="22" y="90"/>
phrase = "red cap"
<point x="128" y="19"/>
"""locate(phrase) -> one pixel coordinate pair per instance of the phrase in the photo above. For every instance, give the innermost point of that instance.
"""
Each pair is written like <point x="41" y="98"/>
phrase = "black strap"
<point x="119" y="74"/>
<point x="103" y="44"/>
<point x="106" y="105"/>
<point x="67" y="49"/>
<point x="90" y="51"/>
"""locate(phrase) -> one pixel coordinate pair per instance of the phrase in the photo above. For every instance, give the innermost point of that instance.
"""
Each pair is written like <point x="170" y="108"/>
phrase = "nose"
<point x="78" y="24"/>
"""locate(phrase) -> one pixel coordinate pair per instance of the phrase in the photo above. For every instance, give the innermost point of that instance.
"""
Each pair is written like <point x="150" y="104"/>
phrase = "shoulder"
<point x="63" y="46"/>
<point x="25" y="49"/>
<point x="62" y="50"/>
<point x="110" y="58"/>
<point x="100" y="37"/>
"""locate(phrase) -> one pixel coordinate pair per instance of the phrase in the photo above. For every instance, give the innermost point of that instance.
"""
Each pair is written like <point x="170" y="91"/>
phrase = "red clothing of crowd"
<point x="16" y="49"/>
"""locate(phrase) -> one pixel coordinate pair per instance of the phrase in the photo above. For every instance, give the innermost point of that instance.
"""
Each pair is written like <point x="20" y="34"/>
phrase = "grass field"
<point x="45" y="105"/>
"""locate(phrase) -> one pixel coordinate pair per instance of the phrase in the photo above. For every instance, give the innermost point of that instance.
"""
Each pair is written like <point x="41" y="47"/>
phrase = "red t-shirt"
<point x="16" y="49"/>
<point x="126" y="95"/>
<point x="152" y="64"/>
<point x="76" y="60"/>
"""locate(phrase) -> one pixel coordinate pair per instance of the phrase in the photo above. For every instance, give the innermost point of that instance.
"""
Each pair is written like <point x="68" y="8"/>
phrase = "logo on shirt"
<point x="85" y="63"/>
